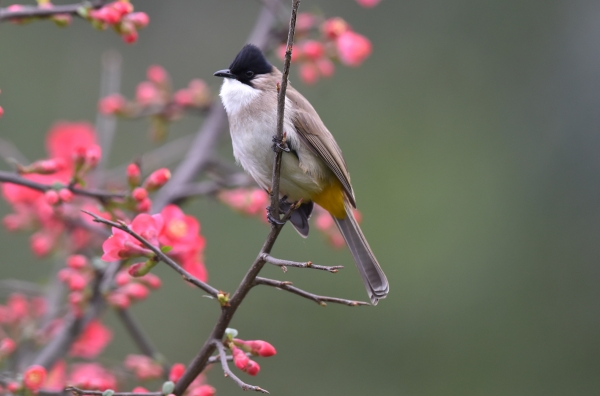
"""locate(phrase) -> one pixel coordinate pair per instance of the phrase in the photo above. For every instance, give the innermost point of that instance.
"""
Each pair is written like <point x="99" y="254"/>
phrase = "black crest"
<point x="249" y="62"/>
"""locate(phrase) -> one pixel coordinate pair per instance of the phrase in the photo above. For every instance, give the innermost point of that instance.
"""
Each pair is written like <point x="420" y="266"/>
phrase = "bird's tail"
<point x="371" y="273"/>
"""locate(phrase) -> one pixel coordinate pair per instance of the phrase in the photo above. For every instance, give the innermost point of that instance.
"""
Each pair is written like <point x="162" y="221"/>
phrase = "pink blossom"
<point x="203" y="390"/>
<point x="146" y="93"/>
<point x="121" y="245"/>
<point x="326" y="67"/>
<point x="51" y="197"/>
<point x="139" y="19"/>
<point x="67" y="138"/>
<point x="133" y="175"/>
<point x="157" y="74"/>
<point x="313" y="49"/>
<point x="257" y="347"/>
<point x="65" y="195"/>
<point x="91" y="341"/>
<point x="1" y="111"/>
<point x="143" y="367"/>
<point x="335" y="27"/>
<point x="135" y="291"/>
<point x="180" y="231"/>
<point x="157" y="179"/>
<point x="34" y="377"/>
<point x="353" y="48"/>
<point x="151" y="280"/>
<point x="139" y="194"/>
<point x="7" y="346"/>
<point x="304" y="22"/>
<point x="92" y="376"/>
<point x="57" y="377"/>
<point x="130" y="37"/>
<point x="77" y="261"/>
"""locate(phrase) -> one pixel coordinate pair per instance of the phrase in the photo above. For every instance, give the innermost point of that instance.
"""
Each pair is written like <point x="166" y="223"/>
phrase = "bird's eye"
<point x="249" y="73"/>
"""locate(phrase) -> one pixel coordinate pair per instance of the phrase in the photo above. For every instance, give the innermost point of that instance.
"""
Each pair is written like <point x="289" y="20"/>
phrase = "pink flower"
<point x="326" y="67"/>
<point x="130" y="37"/>
<point x="18" y="306"/>
<point x="91" y="341"/>
<point x="65" y="195"/>
<point x="34" y="377"/>
<point x="353" y="48"/>
<point x="51" y="197"/>
<point x="368" y="3"/>
<point x="1" y="111"/>
<point x="304" y="22"/>
<point x="192" y="264"/>
<point x="57" y="377"/>
<point x="135" y="291"/>
<point x="203" y="390"/>
<point x="112" y="104"/>
<point x="143" y="367"/>
<point x="176" y="372"/>
<point x="66" y="139"/>
<point x="184" y="97"/>
<point x="139" y="19"/>
<point x="133" y="175"/>
<point x="92" y="376"/>
<point x="121" y="245"/>
<point x="139" y="194"/>
<point x="151" y="281"/>
<point x="180" y="231"/>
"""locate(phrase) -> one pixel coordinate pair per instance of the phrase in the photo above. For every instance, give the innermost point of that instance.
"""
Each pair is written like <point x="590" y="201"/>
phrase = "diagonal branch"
<point x="308" y="264"/>
<point x="321" y="300"/>
<point x="230" y="374"/>
<point x="9" y="177"/>
<point x="137" y="334"/>
<point x="160" y="255"/>
<point x="39" y="12"/>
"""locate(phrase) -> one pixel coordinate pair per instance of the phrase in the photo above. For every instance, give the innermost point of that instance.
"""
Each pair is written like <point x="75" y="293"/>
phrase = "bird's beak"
<point x="224" y="73"/>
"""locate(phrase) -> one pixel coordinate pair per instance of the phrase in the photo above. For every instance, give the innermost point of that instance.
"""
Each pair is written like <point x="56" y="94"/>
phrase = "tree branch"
<point x="230" y="374"/>
<point x="38" y="12"/>
<point x="160" y="255"/>
<point x="8" y="177"/>
<point x="321" y="300"/>
<point x="308" y="264"/>
<point x="137" y="333"/>
<point x="279" y="135"/>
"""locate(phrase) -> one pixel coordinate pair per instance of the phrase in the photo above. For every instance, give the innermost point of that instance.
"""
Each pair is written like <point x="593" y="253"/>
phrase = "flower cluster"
<point x="139" y="200"/>
<point x="119" y="15"/>
<point x="72" y="153"/>
<point x="155" y="98"/>
<point x="144" y="367"/>
<point x="240" y="350"/>
<point x="336" y="41"/>
<point x="249" y="201"/>
<point x="176" y="233"/>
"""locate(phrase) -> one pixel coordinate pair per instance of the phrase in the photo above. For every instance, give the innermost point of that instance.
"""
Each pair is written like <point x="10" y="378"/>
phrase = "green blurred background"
<point x="472" y="136"/>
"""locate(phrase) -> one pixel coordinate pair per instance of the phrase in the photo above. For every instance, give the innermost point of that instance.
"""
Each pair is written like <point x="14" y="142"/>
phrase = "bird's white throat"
<point x="236" y="95"/>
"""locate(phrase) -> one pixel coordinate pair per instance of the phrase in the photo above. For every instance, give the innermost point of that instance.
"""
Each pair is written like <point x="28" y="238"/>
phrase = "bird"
<point x="313" y="170"/>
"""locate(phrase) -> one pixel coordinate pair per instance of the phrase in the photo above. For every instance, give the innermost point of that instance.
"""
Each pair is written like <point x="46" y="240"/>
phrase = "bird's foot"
<point x="280" y="144"/>
<point x="284" y="206"/>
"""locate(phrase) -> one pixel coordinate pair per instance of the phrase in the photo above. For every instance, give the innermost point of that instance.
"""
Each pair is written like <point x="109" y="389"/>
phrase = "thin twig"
<point x="8" y="177"/>
<point x="321" y="300"/>
<point x="38" y="12"/>
<point x="160" y="255"/>
<point x="137" y="334"/>
<point x="307" y="264"/>
<point x="279" y="135"/>
<point x="230" y="374"/>
<point x="78" y="391"/>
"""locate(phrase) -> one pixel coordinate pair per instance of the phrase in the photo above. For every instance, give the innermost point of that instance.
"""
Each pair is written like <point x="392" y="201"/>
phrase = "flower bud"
<point x="65" y="195"/>
<point x="139" y="19"/>
<point x="252" y="368"/>
<point x="239" y="358"/>
<point x="13" y="387"/>
<point x="41" y="244"/>
<point x="119" y="300"/>
<point x="122" y="7"/>
<point x="309" y="73"/>
<point x="146" y="93"/>
<point x="7" y="346"/>
<point x="136" y="291"/>
<point x="93" y="155"/>
<point x="176" y="372"/>
<point x="77" y="282"/>
<point x="144" y="206"/>
<point x="51" y="197"/>
<point x="140" y="269"/>
<point x="130" y="37"/>
<point x="151" y="280"/>
<point x="157" y="75"/>
<point x="133" y="175"/>
<point x="112" y="104"/>
<point x="1" y="111"/>
<point x="326" y="67"/>
<point x="122" y="278"/>
<point x="335" y="27"/>
<point x="77" y="261"/>
<point x="139" y="194"/>
<point x="157" y="179"/>
<point x="257" y="347"/>
<point x="313" y="49"/>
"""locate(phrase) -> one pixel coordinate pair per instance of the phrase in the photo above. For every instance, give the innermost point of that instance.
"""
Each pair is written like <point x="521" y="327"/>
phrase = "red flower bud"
<point x="309" y="73"/>
<point x="1" y="111"/>
<point x="51" y="197"/>
<point x="326" y="67"/>
<point x="151" y="280"/>
<point x="203" y="390"/>
<point x="139" y="269"/>
<point x="77" y="261"/>
<point x="157" y="179"/>
<point x="136" y="291"/>
<point x="12" y="387"/>
<point x="239" y="358"/>
<point x="121" y="7"/>
<point x="119" y="300"/>
<point x="122" y="278"/>
<point x="7" y="346"/>
<point x="112" y="104"/>
<point x="133" y="175"/>
<point x="34" y="377"/>
<point x="252" y="368"/>
<point x="77" y="282"/>
<point x="335" y="27"/>
<point x="92" y="155"/>
<point x="130" y="37"/>
<point x="157" y="74"/>
<point x="139" y="194"/>
<point x="41" y="244"/>
<point x="144" y="206"/>
<point x="139" y="19"/>
<point x="65" y="195"/>
<point x="313" y="49"/>
<point x="177" y="371"/>
<point x="257" y="347"/>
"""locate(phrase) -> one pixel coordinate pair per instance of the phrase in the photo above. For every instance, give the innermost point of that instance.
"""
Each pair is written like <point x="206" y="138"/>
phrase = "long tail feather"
<point x="372" y="275"/>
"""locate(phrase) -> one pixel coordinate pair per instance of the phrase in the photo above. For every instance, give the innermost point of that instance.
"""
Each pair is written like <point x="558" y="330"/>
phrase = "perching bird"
<point x="313" y="170"/>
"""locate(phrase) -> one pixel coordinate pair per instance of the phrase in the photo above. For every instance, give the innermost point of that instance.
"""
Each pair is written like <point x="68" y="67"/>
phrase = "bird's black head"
<point x="249" y="63"/>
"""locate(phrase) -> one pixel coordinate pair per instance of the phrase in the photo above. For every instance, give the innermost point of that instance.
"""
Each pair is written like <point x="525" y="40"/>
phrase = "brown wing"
<point x="320" y="141"/>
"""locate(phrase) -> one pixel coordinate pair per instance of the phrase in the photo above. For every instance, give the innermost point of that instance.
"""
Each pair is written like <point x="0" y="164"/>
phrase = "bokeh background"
<point x="472" y="136"/>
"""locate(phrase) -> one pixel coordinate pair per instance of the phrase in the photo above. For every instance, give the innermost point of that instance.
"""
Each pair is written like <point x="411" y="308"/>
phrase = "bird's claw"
<point x="273" y="219"/>
<point x="280" y="144"/>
